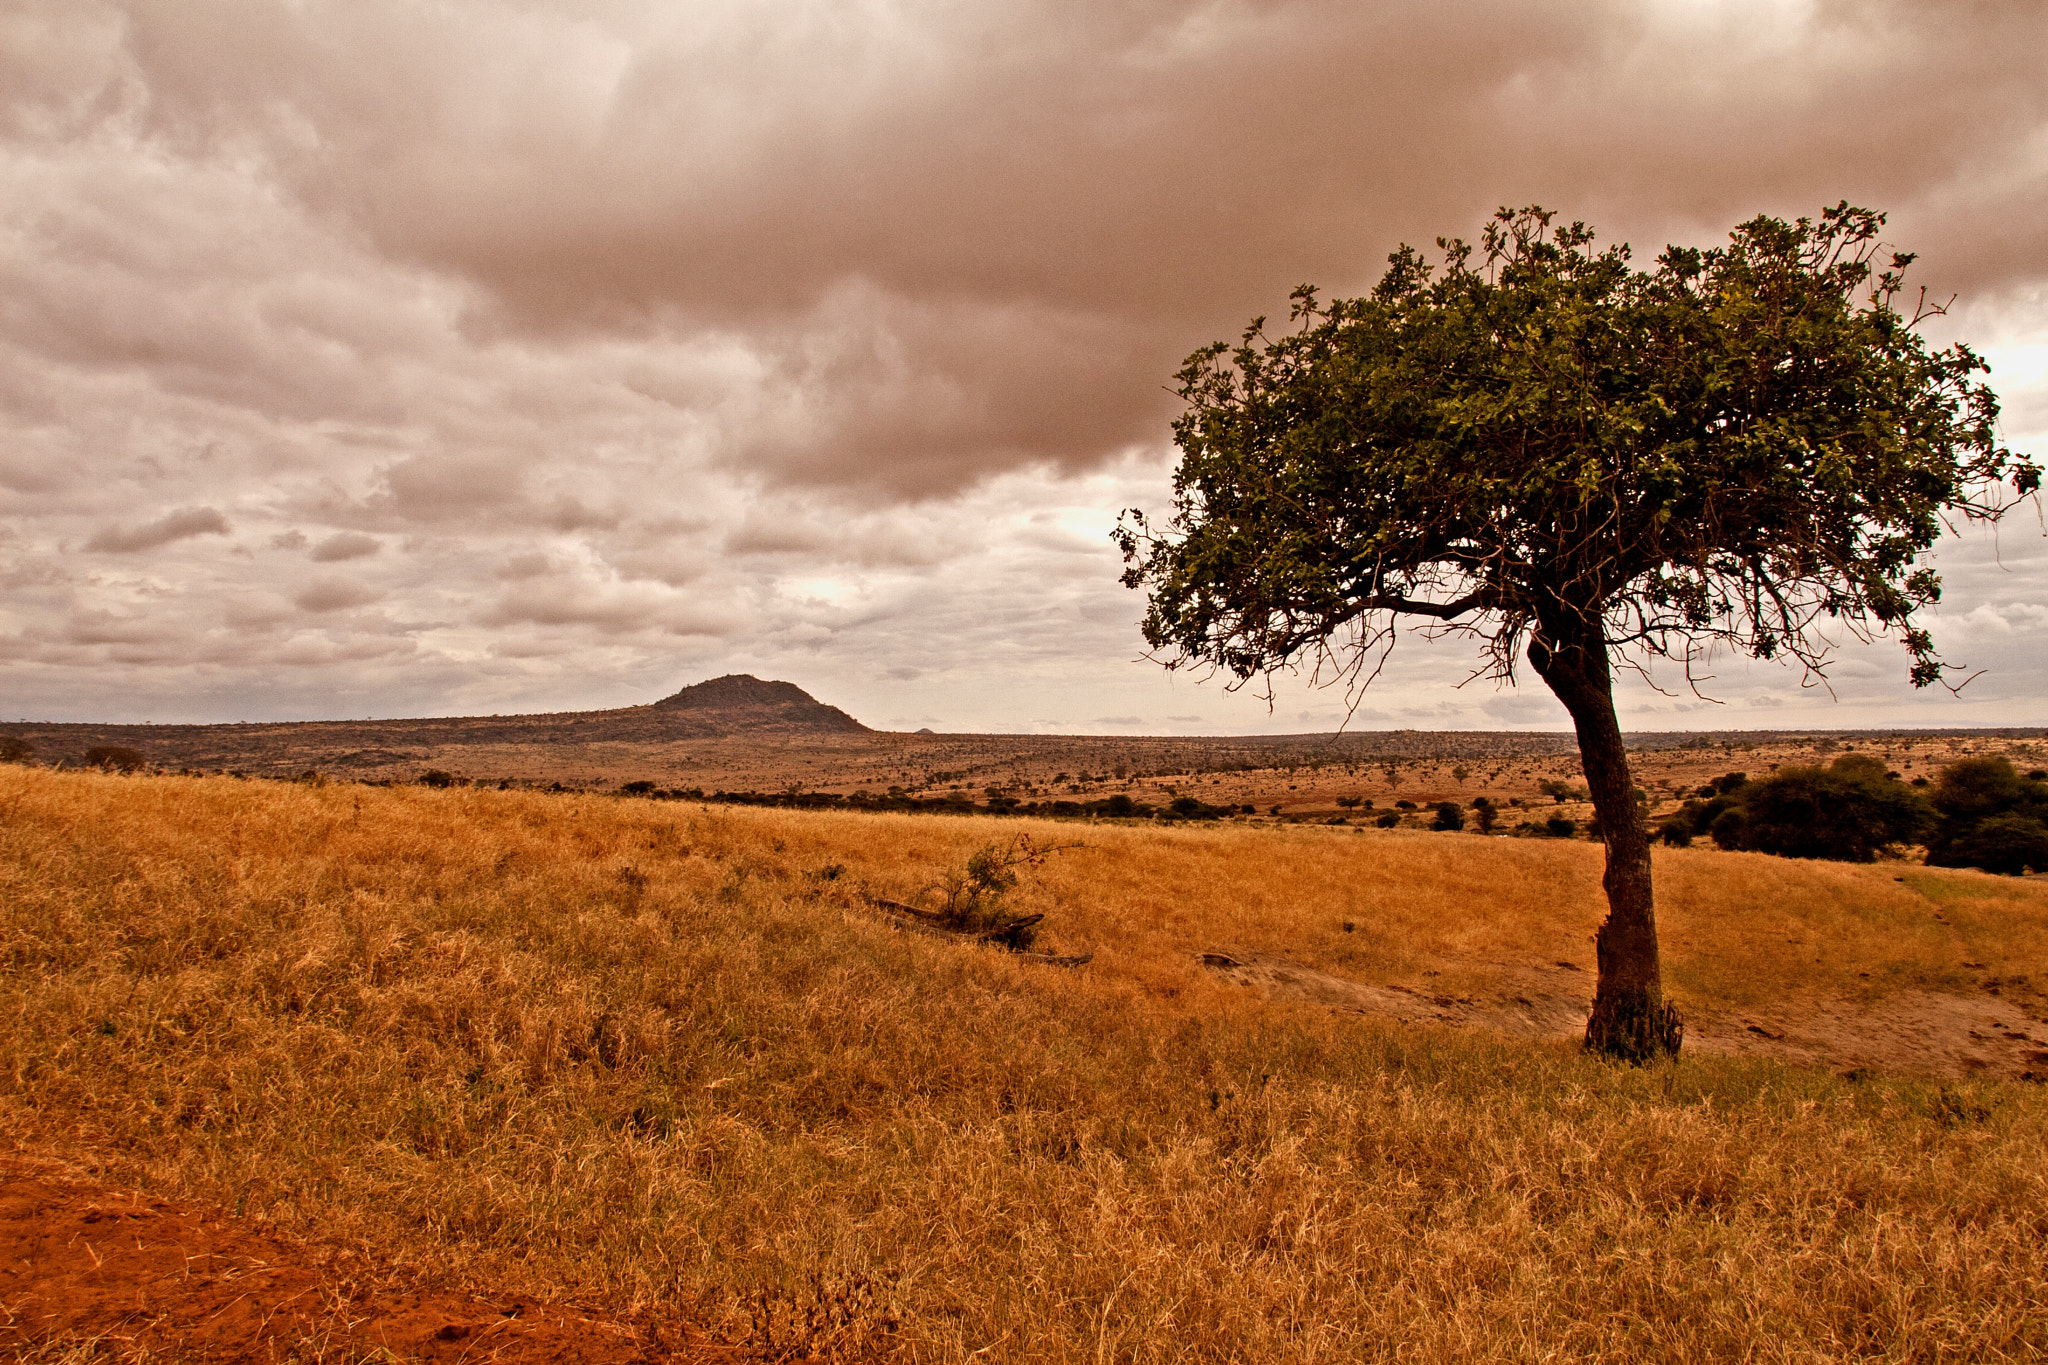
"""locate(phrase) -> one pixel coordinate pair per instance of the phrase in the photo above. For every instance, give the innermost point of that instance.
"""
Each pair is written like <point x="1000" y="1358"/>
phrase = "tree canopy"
<point x="1728" y="448"/>
<point x="1575" y="460"/>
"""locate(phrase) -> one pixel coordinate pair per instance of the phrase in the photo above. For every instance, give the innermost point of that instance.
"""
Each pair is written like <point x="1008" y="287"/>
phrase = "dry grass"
<point x="633" y="1053"/>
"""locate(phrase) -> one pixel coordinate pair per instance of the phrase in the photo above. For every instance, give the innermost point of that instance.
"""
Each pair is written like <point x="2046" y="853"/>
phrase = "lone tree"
<point x="1586" y="464"/>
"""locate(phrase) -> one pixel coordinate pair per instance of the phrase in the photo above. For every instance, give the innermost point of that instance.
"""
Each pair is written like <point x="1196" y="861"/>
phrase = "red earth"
<point x="89" y="1272"/>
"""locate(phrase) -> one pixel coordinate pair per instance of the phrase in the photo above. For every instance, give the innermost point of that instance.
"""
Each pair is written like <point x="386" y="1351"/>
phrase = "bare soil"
<point x="93" y="1272"/>
<point x="1915" y="1033"/>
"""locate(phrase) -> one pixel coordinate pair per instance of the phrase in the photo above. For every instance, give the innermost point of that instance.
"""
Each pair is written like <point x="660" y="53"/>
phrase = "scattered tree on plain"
<point x="1584" y="464"/>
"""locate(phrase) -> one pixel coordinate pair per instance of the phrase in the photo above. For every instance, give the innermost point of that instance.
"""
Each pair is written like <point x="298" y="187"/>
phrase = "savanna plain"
<point x="665" y="1062"/>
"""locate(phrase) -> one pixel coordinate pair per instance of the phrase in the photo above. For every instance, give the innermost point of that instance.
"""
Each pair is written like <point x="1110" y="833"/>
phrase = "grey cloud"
<point x="180" y="525"/>
<point x="334" y="594"/>
<point x="610" y="609"/>
<point x="979" y="237"/>
<point x="344" y="545"/>
<point x="760" y="343"/>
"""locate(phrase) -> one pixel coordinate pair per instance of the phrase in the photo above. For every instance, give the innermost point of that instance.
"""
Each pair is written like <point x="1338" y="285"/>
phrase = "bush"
<point x="1560" y="827"/>
<point x="1677" y="833"/>
<point x="1990" y="817"/>
<point x="1389" y="819"/>
<point x="115" y="758"/>
<point x="1449" y="816"/>
<point x="1726" y="829"/>
<point x="2008" y="844"/>
<point x="14" y="749"/>
<point x="1485" y="814"/>
<point x="1845" y="812"/>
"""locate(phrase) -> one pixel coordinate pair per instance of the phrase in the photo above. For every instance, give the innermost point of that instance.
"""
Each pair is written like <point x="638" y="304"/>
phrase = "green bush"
<point x="1990" y="817"/>
<point x="1485" y="814"/>
<point x="1846" y="811"/>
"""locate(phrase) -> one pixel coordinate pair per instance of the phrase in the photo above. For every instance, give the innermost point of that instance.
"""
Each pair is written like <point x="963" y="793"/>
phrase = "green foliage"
<point x="1991" y="817"/>
<point x="1730" y="448"/>
<point x="1847" y="811"/>
<point x="973" y="897"/>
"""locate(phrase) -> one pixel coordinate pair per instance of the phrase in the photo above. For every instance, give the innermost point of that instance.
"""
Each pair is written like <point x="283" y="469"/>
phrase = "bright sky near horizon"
<point x="410" y="357"/>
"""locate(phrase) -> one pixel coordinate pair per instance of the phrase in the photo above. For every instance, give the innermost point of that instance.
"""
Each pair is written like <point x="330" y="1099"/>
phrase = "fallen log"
<point x="938" y="922"/>
<point x="916" y="921"/>
<point x="1055" y="960"/>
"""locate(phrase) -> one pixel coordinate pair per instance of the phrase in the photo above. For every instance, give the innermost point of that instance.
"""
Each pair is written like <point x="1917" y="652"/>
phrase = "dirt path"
<point x="92" y="1273"/>
<point x="1912" y="1033"/>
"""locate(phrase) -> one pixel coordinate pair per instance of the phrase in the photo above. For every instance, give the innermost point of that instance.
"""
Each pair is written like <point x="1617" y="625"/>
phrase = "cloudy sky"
<point x="404" y="357"/>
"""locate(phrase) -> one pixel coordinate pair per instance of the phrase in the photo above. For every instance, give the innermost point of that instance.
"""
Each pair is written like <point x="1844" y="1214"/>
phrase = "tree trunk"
<point x="1630" y="1019"/>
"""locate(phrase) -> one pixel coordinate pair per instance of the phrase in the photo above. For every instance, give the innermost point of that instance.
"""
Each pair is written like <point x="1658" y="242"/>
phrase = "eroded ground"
<point x="1915" y="1033"/>
<point x="89" y="1271"/>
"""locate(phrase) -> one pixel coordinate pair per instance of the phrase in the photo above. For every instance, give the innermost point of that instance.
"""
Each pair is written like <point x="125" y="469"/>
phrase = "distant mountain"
<point x="737" y="706"/>
<point x="746" y="701"/>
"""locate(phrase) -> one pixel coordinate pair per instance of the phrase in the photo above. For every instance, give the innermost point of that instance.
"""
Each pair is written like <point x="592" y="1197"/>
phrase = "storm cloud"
<point x="602" y="347"/>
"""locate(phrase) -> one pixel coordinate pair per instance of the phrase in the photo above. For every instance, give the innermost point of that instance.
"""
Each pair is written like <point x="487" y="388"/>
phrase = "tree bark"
<point x="1630" y="1018"/>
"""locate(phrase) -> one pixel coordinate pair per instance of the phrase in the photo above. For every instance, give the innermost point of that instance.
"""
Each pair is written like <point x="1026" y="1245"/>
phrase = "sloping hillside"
<point x="735" y="705"/>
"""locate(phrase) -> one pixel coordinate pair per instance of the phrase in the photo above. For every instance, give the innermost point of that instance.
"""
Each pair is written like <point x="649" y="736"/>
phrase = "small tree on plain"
<point x="1578" y="463"/>
<point x="1485" y="814"/>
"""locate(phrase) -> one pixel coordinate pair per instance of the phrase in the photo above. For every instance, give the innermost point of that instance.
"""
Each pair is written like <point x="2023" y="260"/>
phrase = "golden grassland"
<point x="655" y="1057"/>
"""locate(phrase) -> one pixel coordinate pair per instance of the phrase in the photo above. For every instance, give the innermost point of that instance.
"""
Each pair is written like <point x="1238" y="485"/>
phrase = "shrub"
<point x="14" y="749"/>
<point x="1449" y="816"/>
<point x="2008" y="844"/>
<point x="1676" y="832"/>
<point x="1845" y="812"/>
<point x="1388" y="819"/>
<point x="1485" y="814"/>
<point x="1560" y="827"/>
<point x="115" y="758"/>
<point x="1990" y="817"/>
<point x="1726" y="829"/>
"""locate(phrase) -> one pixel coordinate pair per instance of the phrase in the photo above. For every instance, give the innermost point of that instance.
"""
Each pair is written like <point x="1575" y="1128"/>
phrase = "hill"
<point x="734" y="706"/>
